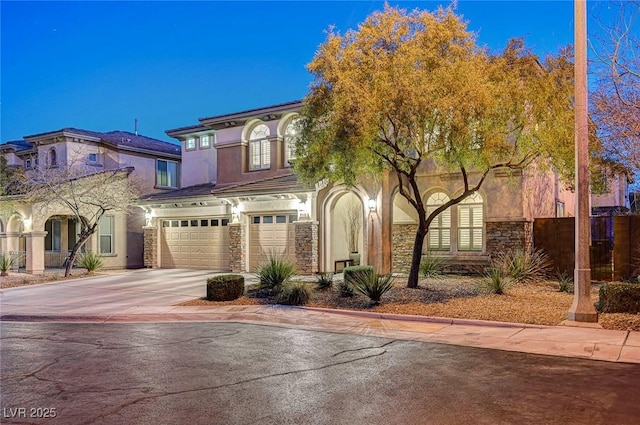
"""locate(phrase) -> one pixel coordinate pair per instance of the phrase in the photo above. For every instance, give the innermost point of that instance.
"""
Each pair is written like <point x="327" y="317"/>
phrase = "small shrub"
<point x="351" y="272"/>
<point x="565" y="282"/>
<point x="523" y="266"/>
<point x="324" y="282"/>
<point x="225" y="287"/>
<point x="275" y="272"/>
<point x="619" y="298"/>
<point x="90" y="261"/>
<point x="373" y="285"/>
<point x="345" y="289"/>
<point x="432" y="267"/>
<point x="495" y="282"/>
<point x="294" y="293"/>
<point x="6" y="264"/>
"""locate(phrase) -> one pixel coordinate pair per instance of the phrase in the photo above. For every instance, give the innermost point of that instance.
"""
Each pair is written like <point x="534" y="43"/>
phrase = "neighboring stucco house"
<point x="239" y="200"/>
<point x="46" y="238"/>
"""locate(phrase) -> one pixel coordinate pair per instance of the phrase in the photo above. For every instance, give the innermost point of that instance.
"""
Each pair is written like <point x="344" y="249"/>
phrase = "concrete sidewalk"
<point x="582" y="342"/>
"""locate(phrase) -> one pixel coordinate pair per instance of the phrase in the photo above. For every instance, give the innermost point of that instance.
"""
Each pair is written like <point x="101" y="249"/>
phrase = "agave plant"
<point x="372" y="285"/>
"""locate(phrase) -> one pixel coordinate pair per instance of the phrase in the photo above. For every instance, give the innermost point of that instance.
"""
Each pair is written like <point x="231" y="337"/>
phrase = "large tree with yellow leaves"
<point x="410" y="87"/>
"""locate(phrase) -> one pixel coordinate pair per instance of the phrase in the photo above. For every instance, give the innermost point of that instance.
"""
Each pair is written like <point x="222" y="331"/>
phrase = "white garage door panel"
<point x="200" y="247"/>
<point x="273" y="237"/>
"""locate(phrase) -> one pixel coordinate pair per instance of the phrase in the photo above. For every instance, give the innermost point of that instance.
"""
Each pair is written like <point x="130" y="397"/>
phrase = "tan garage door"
<point x="201" y="243"/>
<point x="271" y="234"/>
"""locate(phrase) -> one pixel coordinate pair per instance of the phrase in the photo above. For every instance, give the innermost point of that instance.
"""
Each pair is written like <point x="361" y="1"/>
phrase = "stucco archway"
<point x="335" y="245"/>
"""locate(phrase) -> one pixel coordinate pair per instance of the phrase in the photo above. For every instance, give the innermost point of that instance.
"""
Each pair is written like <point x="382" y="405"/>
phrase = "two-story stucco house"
<point x="240" y="200"/>
<point x="44" y="239"/>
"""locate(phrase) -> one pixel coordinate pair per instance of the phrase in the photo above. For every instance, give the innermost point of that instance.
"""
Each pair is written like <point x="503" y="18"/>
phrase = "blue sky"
<point x="100" y="65"/>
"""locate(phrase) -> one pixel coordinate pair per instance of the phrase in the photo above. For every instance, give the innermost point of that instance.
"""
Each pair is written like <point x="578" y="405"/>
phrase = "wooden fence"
<point x="614" y="251"/>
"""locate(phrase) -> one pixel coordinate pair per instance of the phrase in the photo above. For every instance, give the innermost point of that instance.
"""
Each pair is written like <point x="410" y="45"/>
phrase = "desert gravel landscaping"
<point x="459" y="297"/>
<point x="448" y="296"/>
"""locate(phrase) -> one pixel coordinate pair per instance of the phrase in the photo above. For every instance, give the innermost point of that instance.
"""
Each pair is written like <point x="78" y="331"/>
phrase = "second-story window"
<point x="290" y="136"/>
<point x="92" y="158"/>
<point x="166" y="174"/>
<point x="27" y="164"/>
<point x="190" y="143"/>
<point x="205" y="142"/>
<point x="259" y="148"/>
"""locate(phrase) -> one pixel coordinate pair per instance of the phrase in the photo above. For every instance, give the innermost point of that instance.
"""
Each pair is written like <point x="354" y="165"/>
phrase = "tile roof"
<point x="121" y="139"/>
<point x="186" y="192"/>
<point x="124" y="138"/>
<point x="273" y="185"/>
<point x="17" y="145"/>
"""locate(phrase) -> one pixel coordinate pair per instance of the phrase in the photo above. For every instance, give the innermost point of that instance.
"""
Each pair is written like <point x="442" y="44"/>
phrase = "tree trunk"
<point x="84" y="237"/>
<point x="416" y="258"/>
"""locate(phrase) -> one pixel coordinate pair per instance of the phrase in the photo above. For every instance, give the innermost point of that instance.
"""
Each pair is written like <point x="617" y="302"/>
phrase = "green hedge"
<point x="619" y="298"/>
<point x="225" y="287"/>
<point x="350" y="272"/>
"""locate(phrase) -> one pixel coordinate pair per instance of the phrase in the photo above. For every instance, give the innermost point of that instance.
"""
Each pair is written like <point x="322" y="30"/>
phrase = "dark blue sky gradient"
<point x="100" y="65"/>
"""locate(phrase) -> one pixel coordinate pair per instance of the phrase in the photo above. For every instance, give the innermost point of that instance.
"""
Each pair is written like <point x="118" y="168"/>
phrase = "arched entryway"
<point x="344" y="229"/>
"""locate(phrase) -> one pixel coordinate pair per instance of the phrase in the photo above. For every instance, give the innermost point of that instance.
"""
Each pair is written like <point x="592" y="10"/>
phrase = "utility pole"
<point x="582" y="309"/>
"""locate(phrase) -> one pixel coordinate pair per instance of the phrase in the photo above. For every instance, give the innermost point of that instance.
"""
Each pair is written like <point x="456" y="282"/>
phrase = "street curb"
<point x="416" y="318"/>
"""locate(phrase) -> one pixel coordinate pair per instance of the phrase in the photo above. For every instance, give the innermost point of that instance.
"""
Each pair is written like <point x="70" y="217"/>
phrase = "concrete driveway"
<point x="117" y="293"/>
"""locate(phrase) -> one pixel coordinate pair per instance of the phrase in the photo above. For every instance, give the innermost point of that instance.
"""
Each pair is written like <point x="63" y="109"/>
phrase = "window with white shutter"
<point x="439" y="236"/>
<point x="470" y="224"/>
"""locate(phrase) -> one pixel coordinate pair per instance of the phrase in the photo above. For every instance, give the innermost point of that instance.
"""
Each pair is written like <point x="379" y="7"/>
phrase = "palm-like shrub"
<point x="324" y="282"/>
<point x="294" y="293"/>
<point x="432" y="267"/>
<point x="90" y="261"/>
<point x="372" y="285"/>
<point x="345" y="289"/>
<point x="6" y="264"/>
<point x="522" y="266"/>
<point x="275" y="272"/>
<point x="565" y="282"/>
<point x="495" y="282"/>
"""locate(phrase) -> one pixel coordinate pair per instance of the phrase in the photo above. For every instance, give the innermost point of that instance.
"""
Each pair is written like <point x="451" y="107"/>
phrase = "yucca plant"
<point x="565" y="282"/>
<point x="372" y="285"/>
<point x="432" y="267"/>
<point x="90" y="261"/>
<point x="275" y="272"/>
<point x="522" y="266"/>
<point x="294" y="293"/>
<point x="6" y="264"/>
<point x="345" y="289"/>
<point x="324" y="282"/>
<point x="495" y="282"/>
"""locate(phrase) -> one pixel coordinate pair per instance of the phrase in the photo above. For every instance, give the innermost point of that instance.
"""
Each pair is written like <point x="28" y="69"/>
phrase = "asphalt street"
<point x="230" y="373"/>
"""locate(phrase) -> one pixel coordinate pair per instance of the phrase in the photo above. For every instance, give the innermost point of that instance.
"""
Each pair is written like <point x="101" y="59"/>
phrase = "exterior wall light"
<point x="371" y="203"/>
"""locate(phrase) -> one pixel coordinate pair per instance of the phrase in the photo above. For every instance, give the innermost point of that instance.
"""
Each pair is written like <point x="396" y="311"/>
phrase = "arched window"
<point x="470" y="223"/>
<point x="259" y="148"/>
<point x="440" y="228"/>
<point x="291" y="132"/>
<point x="53" y="158"/>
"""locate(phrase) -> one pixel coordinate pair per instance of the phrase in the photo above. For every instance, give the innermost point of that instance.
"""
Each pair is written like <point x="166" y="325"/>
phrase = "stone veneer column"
<point x="236" y="247"/>
<point x="150" y="256"/>
<point x="306" y="249"/>
<point x="503" y="236"/>
<point x="404" y="236"/>
<point x="35" y="252"/>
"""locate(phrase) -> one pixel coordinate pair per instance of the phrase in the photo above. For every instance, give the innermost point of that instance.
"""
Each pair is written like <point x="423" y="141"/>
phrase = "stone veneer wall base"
<point x="150" y="248"/>
<point x="306" y="246"/>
